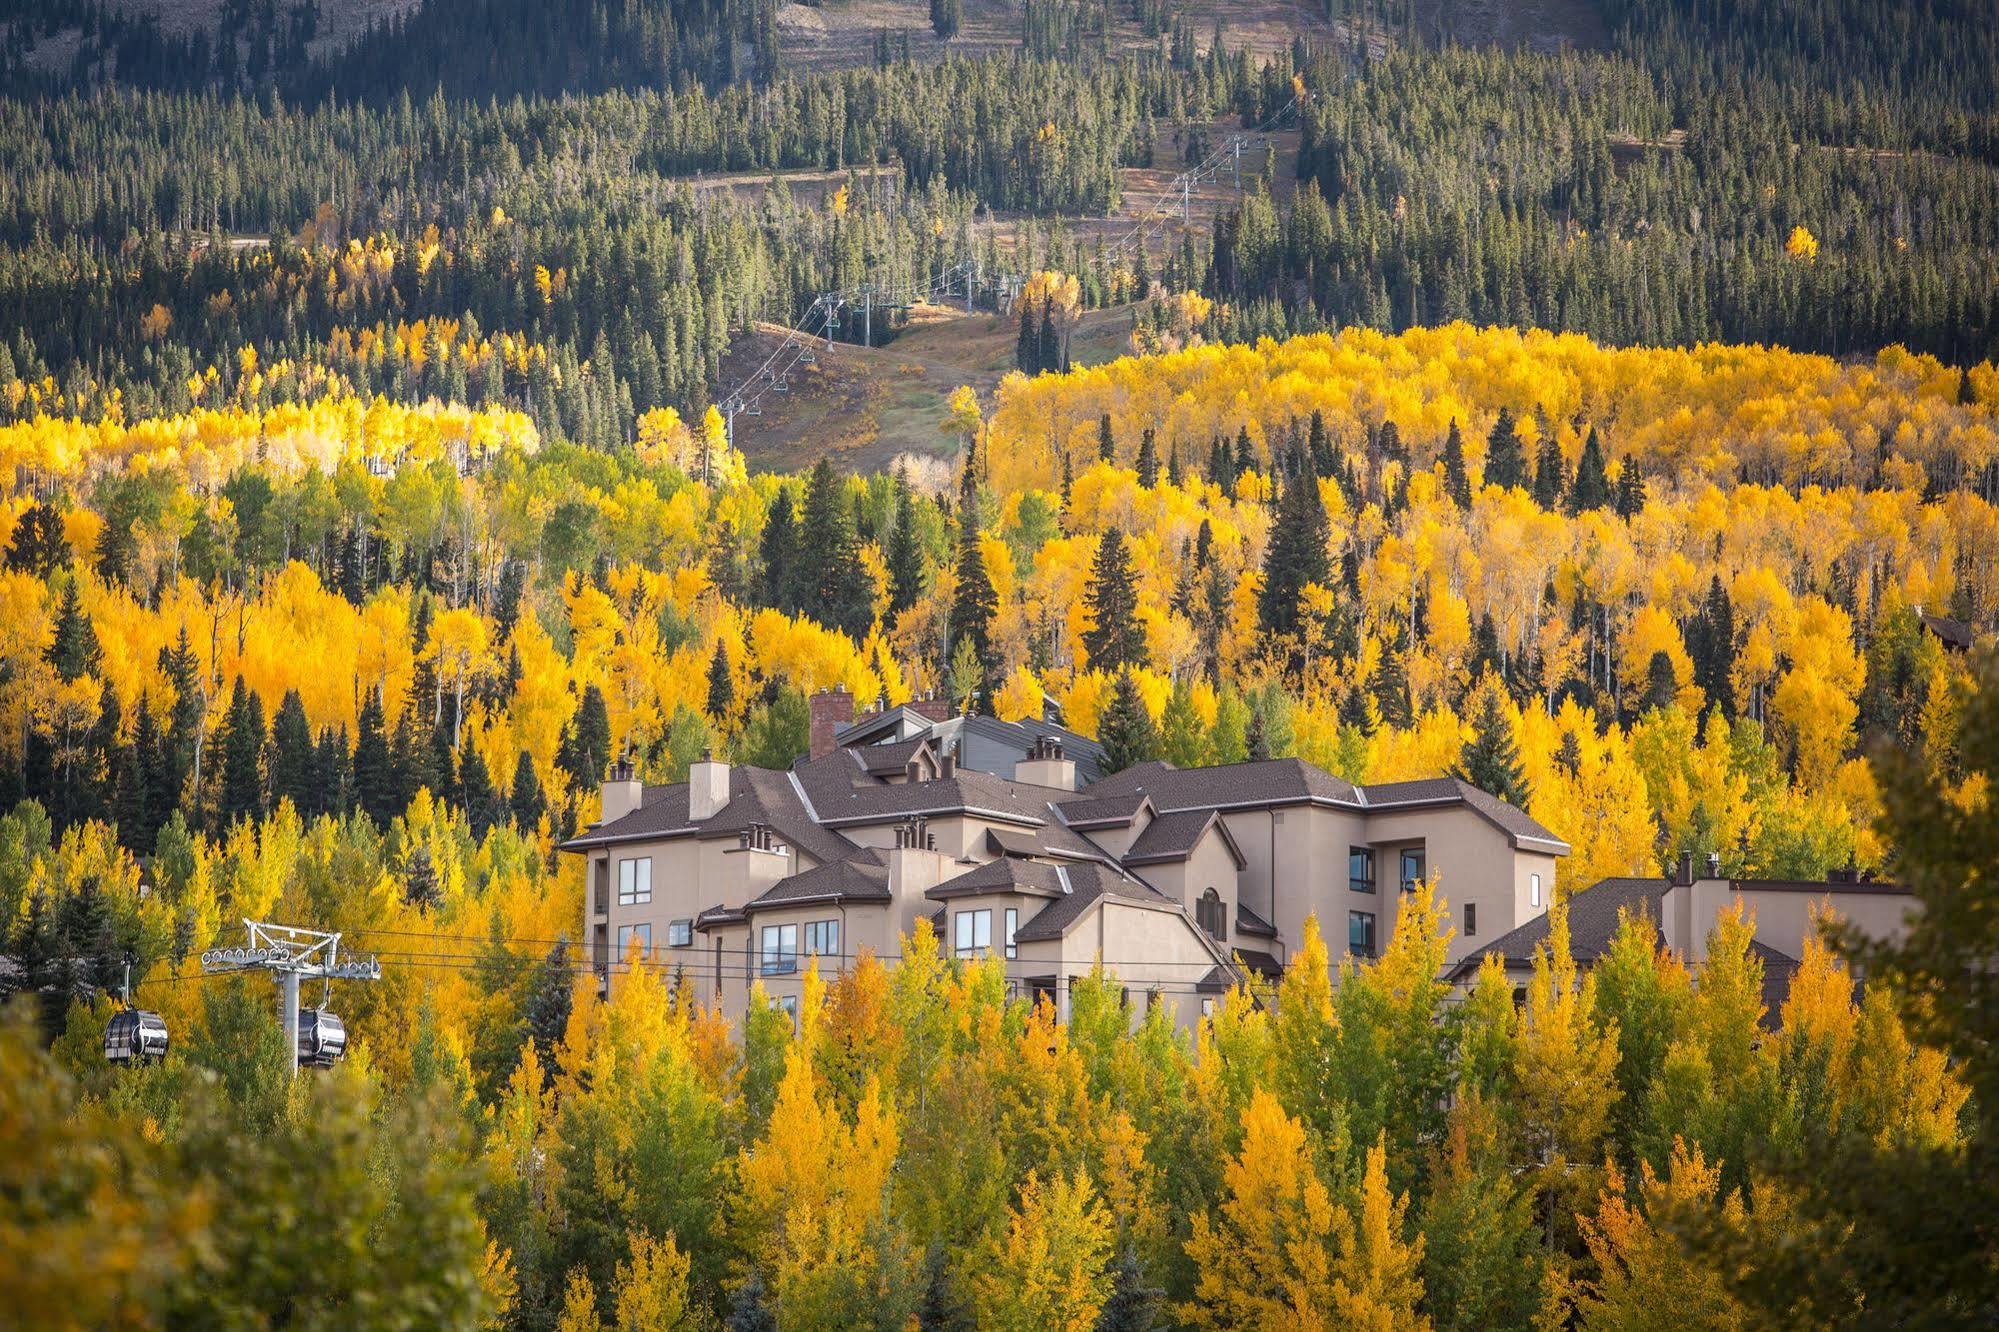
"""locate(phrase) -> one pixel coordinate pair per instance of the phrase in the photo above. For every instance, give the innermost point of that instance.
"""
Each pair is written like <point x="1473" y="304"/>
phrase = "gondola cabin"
<point x="322" y="1038"/>
<point x="134" y="1037"/>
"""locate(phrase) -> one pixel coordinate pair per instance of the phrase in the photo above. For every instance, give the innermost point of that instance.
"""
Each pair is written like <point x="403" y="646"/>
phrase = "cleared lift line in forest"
<point x="967" y="280"/>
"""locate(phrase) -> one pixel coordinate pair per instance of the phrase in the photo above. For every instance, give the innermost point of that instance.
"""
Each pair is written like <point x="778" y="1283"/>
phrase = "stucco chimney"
<point x="707" y="787"/>
<point x="1045" y="765"/>
<point x="831" y="709"/>
<point x="1684" y="873"/>
<point x="622" y="792"/>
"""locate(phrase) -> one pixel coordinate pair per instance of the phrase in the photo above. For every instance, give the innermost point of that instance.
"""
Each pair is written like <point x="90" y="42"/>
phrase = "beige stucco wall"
<point x="1783" y="915"/>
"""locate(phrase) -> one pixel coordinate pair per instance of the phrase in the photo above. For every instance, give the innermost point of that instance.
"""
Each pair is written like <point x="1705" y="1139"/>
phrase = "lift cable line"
<point x="291" y="953"/>
<point x="823" y="317"/>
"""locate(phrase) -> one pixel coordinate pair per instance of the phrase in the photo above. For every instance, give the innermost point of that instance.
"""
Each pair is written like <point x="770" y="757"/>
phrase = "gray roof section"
<point x="1593" y="917"/>
<point x="1088" y="884"/>
<point x="1265" y="782"/>
<point x="1008" y="875"/>
<point x="756" y="795"/>
<point x="863" y="878"/>
<point x="1175" y="836"/>
<point x="840" y="793"/>
<point x="1293" y="781"/>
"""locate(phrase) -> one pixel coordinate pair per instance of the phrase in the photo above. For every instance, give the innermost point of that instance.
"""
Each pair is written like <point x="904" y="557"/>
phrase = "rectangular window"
<point x="1534" y="890"/>
<point x="680" y="934"/>
<point x="780" y="950"/>
<point x="975" y="933"/>
<point x="822" y="937"/>
<point x="1471" y="919"/>
<point x="1360" y="869"/>
<point x="1360" y="933"/>
<point x="1012" y="921"/>
<point x="627" y="933"/>
<point x="635" y="881"/>
<point x="1413" y="869"/>
<point x="788" y="1005"/>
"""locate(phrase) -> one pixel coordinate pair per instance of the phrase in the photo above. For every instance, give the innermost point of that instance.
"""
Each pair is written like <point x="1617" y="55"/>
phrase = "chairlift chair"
<point x="133" y="1036"/>
<point x="322" y="1038"/>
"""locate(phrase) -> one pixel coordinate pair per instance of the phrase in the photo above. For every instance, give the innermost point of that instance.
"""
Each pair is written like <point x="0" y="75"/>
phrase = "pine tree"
<point x="1592" y="484"/>
<point x="421" y="888"/>
<point x="1027" y="347"/>
<point x="1661" y="687"/>
<point x="721" y="686"/>
<point x="1505" y="457"/>
<point x="1549" y="483"/>
<point x="526" y="803"/>
<point x="1491" y="762"/>
<point x="1714" y="666"/>
<point x="242" y="794"/>
<point x="73" y="651"/>
<point x="1148" y="460"/>
<point x="1114" y="639"/>
<point x="1053" y="358"/>
<point x="1126" y="731"/>
<point x="586" y="748"/>
<point x="835" y="587"/>
<point x="905" y="556"/>
<point x="375" y="784"/>
<point x="1390" y="684"/>
<point x="1106" y="441"/>
<point x="1257" y="741"/>
<point x="1457" y="481"/>
<point x="136" y="803"/>
<point x="779" y="553"/>
<point x="1630" y="491"/>
<point x="293" y="760"/>
<point x="975" y="602"/>
<point x="476" y="793"/>
<point x="945" y="16"/>
<point x="1295" y="558"/>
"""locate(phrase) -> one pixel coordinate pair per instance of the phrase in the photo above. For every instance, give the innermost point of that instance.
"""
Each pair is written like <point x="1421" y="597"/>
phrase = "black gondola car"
<point x="322" y="1038"/>
<point x="132" y="1035"/>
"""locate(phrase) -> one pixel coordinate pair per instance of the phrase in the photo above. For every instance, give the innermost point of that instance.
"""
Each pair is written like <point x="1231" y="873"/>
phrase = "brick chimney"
<point x="831" y="710"/>
<point x="935" y="709"/>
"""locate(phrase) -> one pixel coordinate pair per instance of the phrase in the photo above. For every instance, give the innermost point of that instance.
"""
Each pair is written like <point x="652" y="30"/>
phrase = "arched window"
<point x="1211" y="916"/>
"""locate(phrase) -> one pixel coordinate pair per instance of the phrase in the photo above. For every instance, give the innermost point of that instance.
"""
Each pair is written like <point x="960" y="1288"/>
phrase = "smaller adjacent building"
<point x="1685" y="907"/>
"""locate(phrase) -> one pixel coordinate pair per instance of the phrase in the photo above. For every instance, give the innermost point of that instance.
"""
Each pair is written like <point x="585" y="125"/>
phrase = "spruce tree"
<point x="905" y="556"/>
<point x="137" y="805"/>
<point x="1457" y="481"/>
<point x="1053" y="361"/>
<point x="475" y="791"/>
<point x="778" y="552"/>
<point x="1491" y="762"/>
<point x="1114" y="639"/>
<point x="374" y="778"/>
<point x="975" y="602"/>
<point x="1257" y="740"/>
<point x="1630" y="491"/>
<point x="1106" y="441"/>
<point x="1390" y="684"/>
<point x="1295" y="557"/>
<point x="545" y="1015"/>
<point x="1027" y="347"/>
<point x="586" y="748"/>
<point x="1505" y="457"/>
<point x="1660" y="686"/>
<point x="1591" y="489"/>
<point x="1148" y="460"/>
<point x="830" y="576"/>
<point x="721" y="686"/>
<point x="1126" y="731"/>
<point x="294" y="763"/>
<point x="1714" y="668"/>
<point x="526" y="803"/>
<point x="421" y="888"/>
<point x="73" y="651"/>
<point x="242" y="793"/>
<point x="1549" y="483"/>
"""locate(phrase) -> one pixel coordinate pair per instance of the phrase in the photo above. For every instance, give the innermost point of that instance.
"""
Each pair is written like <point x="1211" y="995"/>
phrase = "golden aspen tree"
<point x="1266" y="1260"/>
<point x="579" y="1305"/>
<point x="651" y="1289"/>
<point x="1376" y="1271"/>
<point x="1049" y="1269"/>
<point x="1644" y="1273"/>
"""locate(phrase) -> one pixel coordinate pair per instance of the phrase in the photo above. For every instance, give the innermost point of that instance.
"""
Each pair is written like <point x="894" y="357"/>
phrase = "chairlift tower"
<point x="291" y="954"/>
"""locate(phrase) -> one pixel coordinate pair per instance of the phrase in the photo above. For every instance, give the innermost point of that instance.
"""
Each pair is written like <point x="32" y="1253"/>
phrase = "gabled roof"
<point x="1291" y="781"/>
<point x="1092" y="811"/>
<point x="1509" y="819"/>
<point x="1221" y="979"/>
<point x="1087" y="885"/>
<point x="1034" y="877"/>
<point x="1593" y="918"/>
<point x="756" y="796"/>
<point x="840" y="794"/>
<point x="1953" y="634"/>
<point x="1232" y="785"/>
<point x="1175" y="836"/>
<point x="863" y="878"/>
<point x="1248" y="922"/>
<point x="889" y="759"/>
